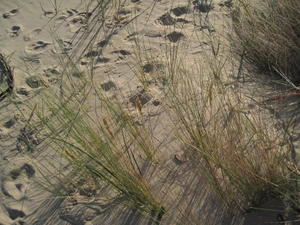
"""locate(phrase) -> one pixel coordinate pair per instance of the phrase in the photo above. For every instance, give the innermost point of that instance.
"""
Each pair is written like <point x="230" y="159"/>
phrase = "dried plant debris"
<point x="6" y="77"/>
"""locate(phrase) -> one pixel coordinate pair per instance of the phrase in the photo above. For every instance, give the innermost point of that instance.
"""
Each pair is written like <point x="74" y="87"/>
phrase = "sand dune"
<point x="33" y="36"/>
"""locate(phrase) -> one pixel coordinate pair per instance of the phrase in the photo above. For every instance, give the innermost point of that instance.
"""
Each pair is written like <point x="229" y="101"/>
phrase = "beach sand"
<point x="32" y="35"/>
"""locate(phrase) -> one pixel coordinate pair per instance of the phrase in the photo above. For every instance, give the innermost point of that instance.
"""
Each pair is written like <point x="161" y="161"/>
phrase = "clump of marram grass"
<point x="269" y="34"/>
<point x="102" y="146"/>
<point x="99" y="142"/>
<point x="240" y="153"/>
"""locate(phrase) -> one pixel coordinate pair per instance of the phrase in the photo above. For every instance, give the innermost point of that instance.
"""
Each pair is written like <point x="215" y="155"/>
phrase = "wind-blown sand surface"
<point x="30" y="31"/>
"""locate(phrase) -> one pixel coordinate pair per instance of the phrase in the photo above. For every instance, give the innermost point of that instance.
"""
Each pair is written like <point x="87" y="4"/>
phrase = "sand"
<point x="27" y="39"/>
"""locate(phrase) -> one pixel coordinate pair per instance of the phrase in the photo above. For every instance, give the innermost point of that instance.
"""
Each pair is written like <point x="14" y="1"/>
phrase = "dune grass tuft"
<point x="269" y="34"/>
<point x="100" y="142"/>
<point x="242" y="153"/>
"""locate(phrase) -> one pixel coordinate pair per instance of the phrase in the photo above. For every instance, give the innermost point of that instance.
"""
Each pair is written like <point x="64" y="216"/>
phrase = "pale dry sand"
<point x="27" y="38"/>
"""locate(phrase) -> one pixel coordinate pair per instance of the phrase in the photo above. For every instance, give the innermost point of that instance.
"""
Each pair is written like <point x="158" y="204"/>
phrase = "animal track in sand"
<point x="10" y="123"/>
<point x="22" y="91"/>
<point x="10" y="14"/>
<point x="52" y="75"/>
<point x="48" y="13"/>
<point x="15" y="184"/>
<point x="102" y="60"/>
<point x="202" y="6"/>
<point x="65" y="45"/>
<point x="78" y="22"/>
<point x="156" y="102"/>
<point x="148" y="68"/>
<point x="70" y="12"/>
<point x="102" y="43"/>
<point x="92" y="53"/>
<point x="38" y="46"/>
<point x="34" y="81"/>
<point x="27" y="140"/>
<point x="49" y="72"/>
<point x="167" y="20"/>
<point x="151" y="67"/>
<point x="108" y="86"/>
<point x="180" y="10"/>
<point x="175" y="36"/>
<point x="15" y="213"/>
<point x="13" y="189"/>
<point x="122" y="52"/>
<point x="227" y="3"/>
<point x="26" y="169"/>
<point x="140" y="98"/>
<point x="14" y="31"/>
<point x="77" y="74"/>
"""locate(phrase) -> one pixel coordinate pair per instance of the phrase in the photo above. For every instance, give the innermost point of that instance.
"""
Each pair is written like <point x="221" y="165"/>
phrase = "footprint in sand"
<point x="52" y="75"/>
<point x="13" y="189"/>
<point x="48" y="13"/>
<point x="65" y="45"/>
<point x="180" y="10"/>
<point x="38" y="46"/>
<point x="167" y="20"/>
<point x="14" y="31"/>
<point x="102" y="43"/>
<point x="78" y="21"/>
<point x="94" y="55"/>
<point x="52" y="71"/>
<point x="15" y="213"/>
<point x="203" y="6"/>
<point x="70" y="12"/>
<point x="22" y="91"/>
<point x="25" y="170"/>
<point x="122" y="16"/>
<point x="10" y="14"/>
<point x="34" y="81"/>
<point x="10" y="123"/>
<point x="108" y="85"/>
<point x="27" y="140"/>
<point x="152" y="67"/>
<point x="140" y="98"/>
<point x="14" y="185"/>
<point x="122" y="53"/>
<point x="174" y="36"/>
<point x="102" y="60"/>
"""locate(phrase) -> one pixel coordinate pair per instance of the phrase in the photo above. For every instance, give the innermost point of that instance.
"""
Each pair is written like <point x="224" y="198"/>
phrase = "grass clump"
<point x="240" y="152"/>
<point x="269" y="34"/>
<point x="103" y="148"/>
